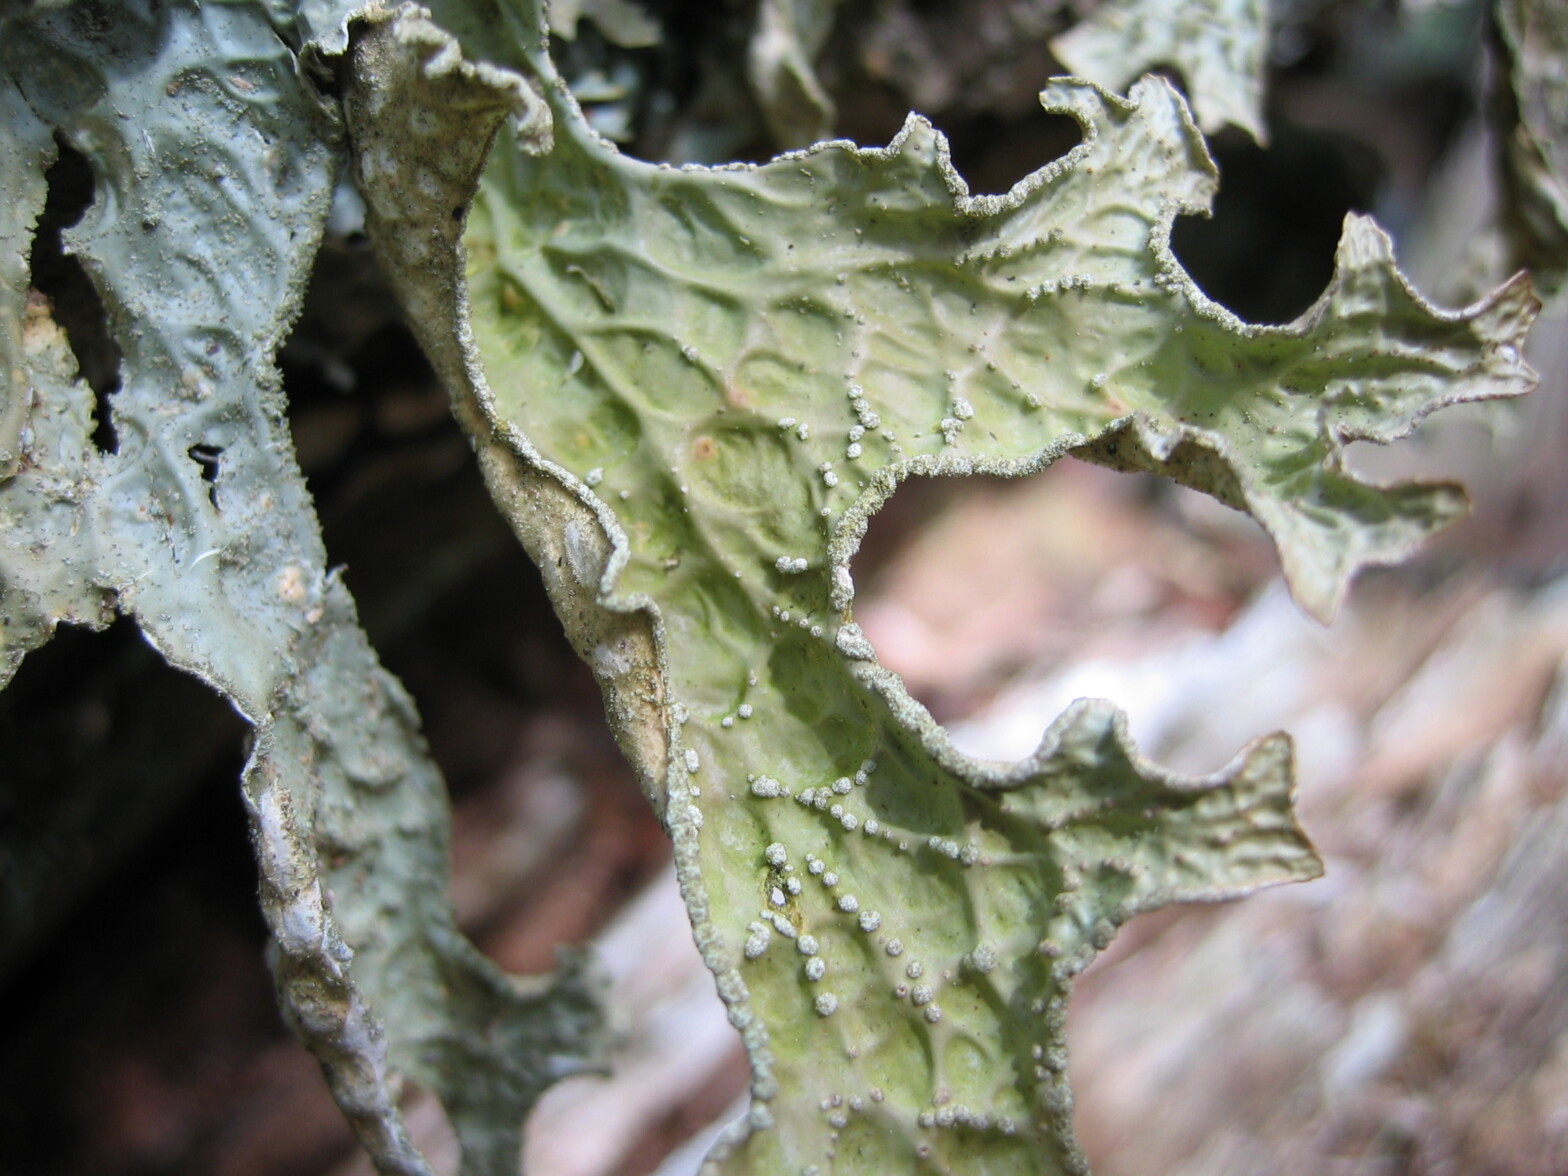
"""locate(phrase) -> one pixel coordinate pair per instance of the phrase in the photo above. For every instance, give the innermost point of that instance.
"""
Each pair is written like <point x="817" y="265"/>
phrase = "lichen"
<point x="692" y="388"/>
<point x="216" y="161"/>
<point x="1533" y="35"/>
<point x="1220" y="47"/>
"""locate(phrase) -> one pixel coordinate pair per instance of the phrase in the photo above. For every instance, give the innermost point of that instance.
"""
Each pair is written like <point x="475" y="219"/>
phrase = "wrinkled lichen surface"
<point x="215" y="160"/>
<point x="691" y="388"/>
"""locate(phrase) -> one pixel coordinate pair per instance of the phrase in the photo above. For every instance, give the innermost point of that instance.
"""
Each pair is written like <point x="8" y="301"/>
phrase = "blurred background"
<point x="1408" y="1013"/>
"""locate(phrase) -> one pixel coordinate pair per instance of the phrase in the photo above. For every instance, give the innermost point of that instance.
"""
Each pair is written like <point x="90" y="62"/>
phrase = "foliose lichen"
<point x="215" y="158"/>
<point x="691" y="389"/>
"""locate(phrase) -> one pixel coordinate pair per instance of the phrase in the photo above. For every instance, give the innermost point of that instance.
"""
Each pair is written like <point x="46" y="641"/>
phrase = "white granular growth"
<point x="849" y="904"/>
<point x="776" y="854"/>
<point x="870" y="921"/>
<point x="826" y="1004"/>
<point x="982" y="959"/>
<point x="815" y="968"/>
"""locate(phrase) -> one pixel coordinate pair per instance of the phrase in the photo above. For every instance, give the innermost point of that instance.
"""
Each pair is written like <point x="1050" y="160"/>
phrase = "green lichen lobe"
<point x="704" y="382"/>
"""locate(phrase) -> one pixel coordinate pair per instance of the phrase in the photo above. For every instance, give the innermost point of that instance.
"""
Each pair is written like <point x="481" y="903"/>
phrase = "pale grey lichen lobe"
<point x="216" y="163"/>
